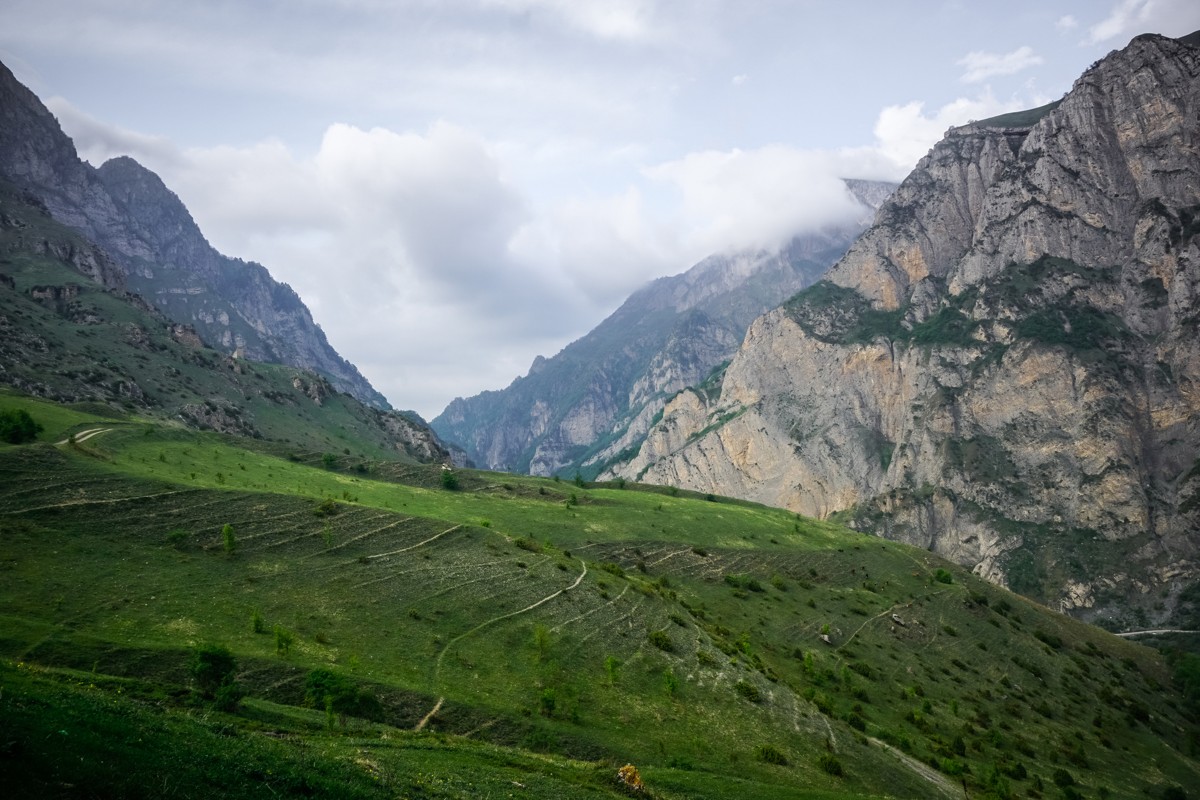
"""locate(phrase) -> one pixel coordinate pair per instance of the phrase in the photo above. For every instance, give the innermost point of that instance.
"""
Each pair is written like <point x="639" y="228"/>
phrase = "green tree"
<point x="541" y="640"/>
<point x="229" y="538"/>
<point x="612" y="665"/>
<point x="283" y="640"/>
<point x="213" y="668"/>
<point x="17" y="427"/>
<point x="337" y="694"/>
<point x="449" y="479"/>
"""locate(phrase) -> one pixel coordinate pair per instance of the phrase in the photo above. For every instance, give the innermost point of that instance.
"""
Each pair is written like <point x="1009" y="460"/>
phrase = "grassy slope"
<point x="98" y="345"/>
<point x="504" y="600"/>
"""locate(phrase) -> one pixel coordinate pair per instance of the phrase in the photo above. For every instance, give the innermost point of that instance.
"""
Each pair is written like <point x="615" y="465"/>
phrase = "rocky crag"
<point x="595" y="400"/>
<point x="149" y="244"/>
<point x="1005" y="368"/>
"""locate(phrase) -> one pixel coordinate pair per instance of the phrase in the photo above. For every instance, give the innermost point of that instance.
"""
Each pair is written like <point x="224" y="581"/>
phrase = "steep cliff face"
<point x="152" y="246"/>
<point x="1006" y="367"/>
<point x="599" y="396"/>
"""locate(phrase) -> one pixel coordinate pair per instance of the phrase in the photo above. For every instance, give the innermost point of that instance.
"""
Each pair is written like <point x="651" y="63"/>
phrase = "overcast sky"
<point x="456" y="186"/>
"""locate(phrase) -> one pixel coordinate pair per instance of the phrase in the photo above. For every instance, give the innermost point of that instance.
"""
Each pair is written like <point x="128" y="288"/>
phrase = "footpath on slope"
<point x="437" y="667"/>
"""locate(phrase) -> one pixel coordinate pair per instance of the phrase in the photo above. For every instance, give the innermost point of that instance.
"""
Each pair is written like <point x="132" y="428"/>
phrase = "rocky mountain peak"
<point x="1005" y="367"/>
<point x="157" y="249"/>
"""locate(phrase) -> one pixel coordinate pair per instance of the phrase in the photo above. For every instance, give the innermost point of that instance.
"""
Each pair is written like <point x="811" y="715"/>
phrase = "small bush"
<point x="771" y="755"/>
<point x="284" y="639"/>
<point x="212" y="666"/>
<point x="257" y="624"/>
<point x="229" y="539"/>
<point x="528" y="544"/>
<point x="830" y="764"/>
<point x="449" y="480"/>
<point x="661" y="640"/>
<point x="943" y="576"/>
<point x="336" y="693"/>
<point x="327" y="508"/>
<point x="748" y="691"/>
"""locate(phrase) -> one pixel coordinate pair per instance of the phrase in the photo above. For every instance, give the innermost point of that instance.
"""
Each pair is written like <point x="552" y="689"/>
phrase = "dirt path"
<point x="935" y="778"/>
<point x="83" y="436"/>
<point x="437" y="666"/>
<point x="1159" y="632"/>
<point x="425" y="719"/>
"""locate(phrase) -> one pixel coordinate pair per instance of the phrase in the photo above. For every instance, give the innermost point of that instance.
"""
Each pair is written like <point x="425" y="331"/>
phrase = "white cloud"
<point x="1066" y="23"/>
<point x="904" y="134"/>
<point x="1131" y="17"/>
<point x="622" y="20"/>
<point x="981" y="66"/>
<point x="738" y="80"/>
<point x="738" y="199"/>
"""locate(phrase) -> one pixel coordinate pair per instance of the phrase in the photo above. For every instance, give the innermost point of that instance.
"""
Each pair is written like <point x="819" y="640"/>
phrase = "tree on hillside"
<point x="17" y="427"/>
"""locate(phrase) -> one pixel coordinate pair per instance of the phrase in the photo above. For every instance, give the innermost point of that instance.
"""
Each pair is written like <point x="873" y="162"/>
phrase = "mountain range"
<point x="582" y="408"/>
<point x="229" y="570"/>
<point x="1005" y="369"/>
<point x="149" y="244"/>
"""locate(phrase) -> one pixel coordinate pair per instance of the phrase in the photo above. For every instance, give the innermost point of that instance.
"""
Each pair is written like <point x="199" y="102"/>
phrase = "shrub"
<point x="229" y="538"/>
<point x="528" y="544"/>
<point x="661" y="640"/>
<point x="327" y="508"/>
<point x="670" y="682"/>
<point x="212" y="666"/>
<point x="17" y="427"/>
<point x="830" y="764"/>
<point x="548" y="701"/>
<point x="943" y="576"/>
<point x="449" y="479"/>
<point x="613" y="569"/>
<point x="748" y="691"/>
<point x="770" y="754"/>
<point x="336" y="693"/>
<point x="284" y="639"/>
<point x="612" y="666"/>
<point x="257" y="624"/>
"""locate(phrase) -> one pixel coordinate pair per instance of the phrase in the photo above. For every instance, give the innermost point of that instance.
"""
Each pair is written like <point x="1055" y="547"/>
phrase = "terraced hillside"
<point x="495" y="634"/>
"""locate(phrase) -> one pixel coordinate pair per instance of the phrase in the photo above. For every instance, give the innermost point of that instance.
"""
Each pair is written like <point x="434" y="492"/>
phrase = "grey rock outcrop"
<point x="596" y="399"/>
<point x="146" y="241"/>
<point x="1006" y="367"/>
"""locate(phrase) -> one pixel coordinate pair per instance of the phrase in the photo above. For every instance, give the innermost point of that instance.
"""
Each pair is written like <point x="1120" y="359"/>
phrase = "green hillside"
<point x="479" y="634"/>
<point x="64" y="337"/>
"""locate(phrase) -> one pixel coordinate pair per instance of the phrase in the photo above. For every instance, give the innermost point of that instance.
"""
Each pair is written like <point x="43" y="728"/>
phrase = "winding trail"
<point x="411" y="546"/>
<point x="437" y="665"/>
<point x="937" y="779"/>
<point x="1159" y="632"/>
<point x="83" y="436"/>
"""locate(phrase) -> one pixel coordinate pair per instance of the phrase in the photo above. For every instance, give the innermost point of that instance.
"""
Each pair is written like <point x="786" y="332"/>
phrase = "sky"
<point x="457" y="186"/>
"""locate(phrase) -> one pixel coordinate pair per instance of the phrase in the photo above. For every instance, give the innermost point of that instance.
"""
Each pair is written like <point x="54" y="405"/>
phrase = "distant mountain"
<point x="1006" y="368"/>
<point x="597" y="398"/>
<point x="153" y="247"/>
<point x="66" y="337"/>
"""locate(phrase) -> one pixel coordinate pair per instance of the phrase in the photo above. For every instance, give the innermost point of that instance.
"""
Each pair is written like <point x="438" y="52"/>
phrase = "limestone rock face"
<point x="596" y="399"/>
<point x="1006" y="367"/>
<point x="145" y="240"/>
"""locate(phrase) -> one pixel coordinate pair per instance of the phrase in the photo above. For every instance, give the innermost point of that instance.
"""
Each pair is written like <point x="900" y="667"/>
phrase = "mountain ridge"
<point x="158" y="250"/>
<point x="1001" y="369"/>
<point x="577" y="410"/>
